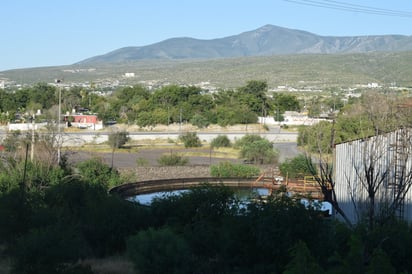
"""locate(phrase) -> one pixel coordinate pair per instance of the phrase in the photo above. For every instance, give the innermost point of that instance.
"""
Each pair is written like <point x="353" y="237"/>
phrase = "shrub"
<point x="190" y="139"/>
<point x="199" y="121"/>
<point x="97" y="172"/>
<point x="142" y="162"/>
<point x="228" y="169"/>
<point x="172" y="159"/>
<point x="118" y="139"/>
<point x="256" y="149"/>
<point x="159" y="251"/>
<point x="220" y="141"/>
<point x="296" y="167"/>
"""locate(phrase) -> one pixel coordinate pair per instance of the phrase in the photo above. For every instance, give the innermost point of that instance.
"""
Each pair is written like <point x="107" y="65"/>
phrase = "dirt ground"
<point x="143" y="162"/>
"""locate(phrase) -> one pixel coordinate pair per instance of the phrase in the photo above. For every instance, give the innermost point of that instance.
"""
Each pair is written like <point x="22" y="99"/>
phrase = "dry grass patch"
<point x="223" y="152"/>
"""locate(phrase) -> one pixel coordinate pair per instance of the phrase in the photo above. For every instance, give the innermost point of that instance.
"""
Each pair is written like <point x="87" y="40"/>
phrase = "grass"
<point x="223" y="152"/>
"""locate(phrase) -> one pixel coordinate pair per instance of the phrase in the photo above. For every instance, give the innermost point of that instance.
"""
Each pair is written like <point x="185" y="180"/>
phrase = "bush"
<point x="172" y="159"/>
<point x="256" y="149"/>
<point x="48" y="250"/>
<point x="297" y="167"/>
<point x="159" y="251"/>
<point x="97" y="172"/>
<point x="142" y="162"/>
<point x="190" y="139"/>
<point x="228" y="169"/>
<point x="199" y="121"/>
<point x="118" y="139"/>
<point x="220" y="141"/>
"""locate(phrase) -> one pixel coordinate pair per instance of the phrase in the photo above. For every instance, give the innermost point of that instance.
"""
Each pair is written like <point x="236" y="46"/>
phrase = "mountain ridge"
<point x="264" y="41"/>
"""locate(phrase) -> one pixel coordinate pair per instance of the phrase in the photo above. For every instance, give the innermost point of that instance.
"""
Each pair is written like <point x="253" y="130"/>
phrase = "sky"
<point x="62" y="32"/>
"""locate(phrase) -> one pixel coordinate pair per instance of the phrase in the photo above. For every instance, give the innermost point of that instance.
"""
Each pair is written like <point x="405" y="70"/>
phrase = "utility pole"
<point x="180" y="124"/>
<point x="58" y="81"/>
<point x="32" y="138"/>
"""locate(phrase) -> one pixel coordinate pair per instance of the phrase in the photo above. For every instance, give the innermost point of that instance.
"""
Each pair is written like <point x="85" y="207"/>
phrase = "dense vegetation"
<point x="56" y="215"/>
<point x="205" y="230"/>
<point x="141" y="106"/>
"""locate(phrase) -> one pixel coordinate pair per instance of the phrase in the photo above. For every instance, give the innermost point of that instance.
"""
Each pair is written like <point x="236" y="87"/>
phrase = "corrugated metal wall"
<point x="383" y="158"/>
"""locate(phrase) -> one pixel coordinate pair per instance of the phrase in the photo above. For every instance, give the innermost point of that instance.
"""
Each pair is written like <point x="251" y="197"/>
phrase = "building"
<point x="83" y="121"/>
<point x="373" y="176"/>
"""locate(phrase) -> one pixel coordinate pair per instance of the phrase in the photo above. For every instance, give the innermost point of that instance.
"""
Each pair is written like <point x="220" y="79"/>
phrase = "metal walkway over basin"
<point x="307" y="188"/>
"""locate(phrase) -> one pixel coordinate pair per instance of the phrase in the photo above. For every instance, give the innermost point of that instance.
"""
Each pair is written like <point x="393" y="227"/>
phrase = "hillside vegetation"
<point x="294" y="70"/>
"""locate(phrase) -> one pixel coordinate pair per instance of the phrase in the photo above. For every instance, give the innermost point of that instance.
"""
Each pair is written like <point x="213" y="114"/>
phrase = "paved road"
<point x="81" y="138"/>
<point x="287" y="150"/>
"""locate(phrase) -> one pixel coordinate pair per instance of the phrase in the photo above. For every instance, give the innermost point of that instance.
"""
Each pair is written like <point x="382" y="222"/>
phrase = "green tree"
<point x="257" y="149"/>
<point x="318" y="137"/>
<point x="254" y="95"/>
<point x="284" y="102"/>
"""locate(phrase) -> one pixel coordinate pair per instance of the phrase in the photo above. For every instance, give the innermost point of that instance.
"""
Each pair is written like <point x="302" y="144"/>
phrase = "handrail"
<point x="151" y="186"/>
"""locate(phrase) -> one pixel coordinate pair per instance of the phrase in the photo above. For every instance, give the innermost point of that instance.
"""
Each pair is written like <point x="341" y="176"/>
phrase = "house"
<point x="374" y="176"/>
<point x="83" y="121"/>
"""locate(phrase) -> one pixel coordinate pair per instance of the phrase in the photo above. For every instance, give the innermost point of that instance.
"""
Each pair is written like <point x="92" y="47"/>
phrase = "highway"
<point x="80" y="138"/>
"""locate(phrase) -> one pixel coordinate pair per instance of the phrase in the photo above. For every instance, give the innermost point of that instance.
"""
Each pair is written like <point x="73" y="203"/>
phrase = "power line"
<point x="339" y="5"/>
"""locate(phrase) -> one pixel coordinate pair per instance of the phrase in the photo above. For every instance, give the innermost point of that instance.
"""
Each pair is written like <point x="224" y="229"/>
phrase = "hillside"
<point x="294" y="70"/>
<point x="265" y="41"/>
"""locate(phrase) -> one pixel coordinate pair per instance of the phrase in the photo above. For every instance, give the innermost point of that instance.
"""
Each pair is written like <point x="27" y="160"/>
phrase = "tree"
<point x="256" y="149"/>
<point x="254" y="95"/>
<point x="284" y="102"/>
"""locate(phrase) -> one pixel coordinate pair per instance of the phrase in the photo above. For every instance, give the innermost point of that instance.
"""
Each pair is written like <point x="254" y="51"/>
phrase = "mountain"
<point x="264" y="41"/>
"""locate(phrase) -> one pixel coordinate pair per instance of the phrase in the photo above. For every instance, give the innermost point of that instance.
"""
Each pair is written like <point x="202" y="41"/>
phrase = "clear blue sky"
<point x="62" y="32"/>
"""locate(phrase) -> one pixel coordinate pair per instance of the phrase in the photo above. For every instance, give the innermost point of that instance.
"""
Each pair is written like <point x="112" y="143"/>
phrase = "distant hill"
<point x="299" y="70"/>
<point x="264" y="41"/>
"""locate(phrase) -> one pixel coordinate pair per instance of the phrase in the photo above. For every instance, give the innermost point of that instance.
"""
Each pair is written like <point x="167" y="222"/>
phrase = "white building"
<point x="129" y="75"/>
